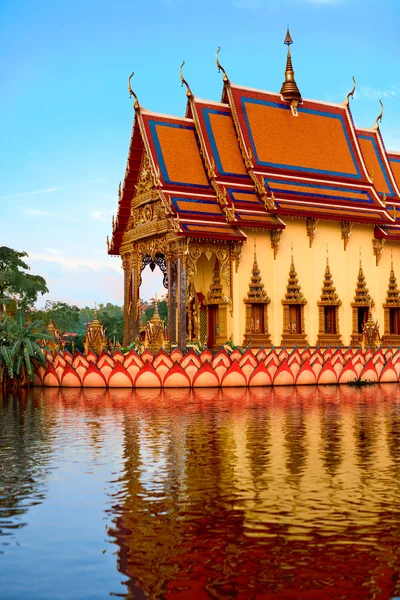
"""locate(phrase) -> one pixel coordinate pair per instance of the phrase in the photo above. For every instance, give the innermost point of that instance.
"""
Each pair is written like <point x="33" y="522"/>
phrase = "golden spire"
<point x="293" y="289"/>
<point x="328" y="293"/>
<point x="215" y="294"/>
<point x="184" y="82"/>
<point x="256" y="286"/>
<point x="379" y="117"/>
<point x="220" y="68"/>
<point x="362" y="293"/>
<point x="350" y="94"/>
<point x="393" y="294"/>
<point x="289" y="90"/>
<point x="132" y="93"/>
<point x="95" y="323"/>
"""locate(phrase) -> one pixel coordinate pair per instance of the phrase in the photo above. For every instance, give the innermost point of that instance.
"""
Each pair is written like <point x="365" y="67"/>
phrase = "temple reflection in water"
<point x="279" y="493"/>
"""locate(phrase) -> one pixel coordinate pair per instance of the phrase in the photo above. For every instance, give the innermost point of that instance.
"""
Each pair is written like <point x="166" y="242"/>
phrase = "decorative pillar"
<point x="172" y="298"/>
<point x="181" y="296"/>
<point x="126" y="266"/>
<point x="135" y="296"/>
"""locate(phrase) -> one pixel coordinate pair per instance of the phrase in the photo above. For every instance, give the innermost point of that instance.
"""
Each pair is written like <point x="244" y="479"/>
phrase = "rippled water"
<point x="180" y="494"/>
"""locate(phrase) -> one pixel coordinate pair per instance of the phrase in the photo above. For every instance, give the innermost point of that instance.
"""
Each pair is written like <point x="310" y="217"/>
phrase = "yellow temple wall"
<point x="310" y="266"/>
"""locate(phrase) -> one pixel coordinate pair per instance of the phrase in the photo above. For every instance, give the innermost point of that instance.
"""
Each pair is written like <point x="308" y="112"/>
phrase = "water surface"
<point x="283" y="493"/>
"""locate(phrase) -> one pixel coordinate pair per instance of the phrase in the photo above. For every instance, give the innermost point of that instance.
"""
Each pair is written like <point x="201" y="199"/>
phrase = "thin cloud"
<point x="46" y="191"/>
<point x="75" y="264"/>
<point x="99" y="216"/>
<point x="53" y="251"/>
<point x="378" y="93"/>
<point x="34" y="212"/>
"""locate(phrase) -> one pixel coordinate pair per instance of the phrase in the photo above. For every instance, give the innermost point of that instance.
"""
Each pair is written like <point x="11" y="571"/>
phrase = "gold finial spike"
<point x="379" y="117"/>
<point x="391" y="258"/>
<point x="288" y="38"/>
<point x="220" y="67"/>
<point x="255" y="245"/>
<point x="132" y="93"/>
<point x="350" y="94"/>
<point x="327" y="255"/>
<point x="289" y="90"/>
<point x="184" y="82"/>
<point x="360" y="255"/>
<point x="119" y="191"/>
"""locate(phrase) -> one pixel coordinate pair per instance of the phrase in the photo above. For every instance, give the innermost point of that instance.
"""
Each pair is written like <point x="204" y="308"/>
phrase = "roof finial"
<point x="289" y="90"/>
<point x="379" y="117"/>
<point x="360" y="256"/>
<point x="184" y="82"/>
<point x="220" y="67"/>
<point x="327" y="255"/>
<point x="255" y="243"/>
<point x="350" y="94"/>
<point x="132" y="93"/>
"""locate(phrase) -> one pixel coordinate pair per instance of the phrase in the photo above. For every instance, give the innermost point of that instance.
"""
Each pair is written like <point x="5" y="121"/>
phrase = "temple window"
<point x="359" y="308"/>
<point x="293" y="312"/>
<point x="256" y="332"/>
<point x="328" y="307"/>
<point x="391" y="310"/>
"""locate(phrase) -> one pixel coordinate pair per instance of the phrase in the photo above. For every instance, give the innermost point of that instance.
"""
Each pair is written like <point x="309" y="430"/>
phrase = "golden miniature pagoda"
<point x="95" y="338"/>
<point x="269" y="168"/>
<point x="155" y="335"/>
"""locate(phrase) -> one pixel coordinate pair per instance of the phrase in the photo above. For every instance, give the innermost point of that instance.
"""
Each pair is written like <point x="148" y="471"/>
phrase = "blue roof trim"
<point x="245" y="100"/>
<point x="369" y="199"/>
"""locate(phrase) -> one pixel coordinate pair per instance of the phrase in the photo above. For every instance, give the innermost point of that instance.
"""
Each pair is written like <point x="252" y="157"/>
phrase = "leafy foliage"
<point x="18" y="348"/>
<point x="15" y="282"/>
<point x="162" y="311"/>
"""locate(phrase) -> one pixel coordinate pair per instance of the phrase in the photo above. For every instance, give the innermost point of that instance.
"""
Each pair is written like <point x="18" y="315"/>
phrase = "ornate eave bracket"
<point x="275" y="235"/>
<point x="378" y="249"/>
<point x="311" y="227"/>
<point x="345" y="228"/>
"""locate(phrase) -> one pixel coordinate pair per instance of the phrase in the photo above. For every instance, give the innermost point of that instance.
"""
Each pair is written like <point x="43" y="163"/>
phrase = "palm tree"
<point x="18" y="349"/>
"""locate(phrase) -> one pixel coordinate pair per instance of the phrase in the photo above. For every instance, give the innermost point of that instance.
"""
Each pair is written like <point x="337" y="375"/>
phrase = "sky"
<point x="66" y="115"/>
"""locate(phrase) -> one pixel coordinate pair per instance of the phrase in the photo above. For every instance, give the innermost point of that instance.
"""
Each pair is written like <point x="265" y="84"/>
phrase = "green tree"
<point x="15" y="282"/>
<point x="19" y="351"/>
<point x="64" y="316"/>
<point x="162" y="311"/>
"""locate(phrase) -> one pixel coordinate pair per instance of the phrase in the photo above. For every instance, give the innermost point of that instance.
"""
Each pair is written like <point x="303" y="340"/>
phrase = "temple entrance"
<point x="394" y="321"/>
<point x="152" y="309"/>
<point x="212" y="328"/>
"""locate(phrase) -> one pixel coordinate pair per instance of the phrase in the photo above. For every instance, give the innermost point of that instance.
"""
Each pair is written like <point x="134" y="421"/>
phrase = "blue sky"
<point x="66" y="116"/>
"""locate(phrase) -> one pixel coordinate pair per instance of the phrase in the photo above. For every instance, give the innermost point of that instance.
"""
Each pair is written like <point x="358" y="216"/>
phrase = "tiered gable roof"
<point x="258" y="156"/>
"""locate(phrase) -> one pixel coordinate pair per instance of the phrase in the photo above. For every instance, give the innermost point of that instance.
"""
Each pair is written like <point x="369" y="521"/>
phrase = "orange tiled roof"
<point x="253" y="151"/>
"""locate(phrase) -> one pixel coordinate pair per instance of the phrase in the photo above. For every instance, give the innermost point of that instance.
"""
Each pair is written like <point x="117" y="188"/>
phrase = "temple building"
<point x="256" y="209"/>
